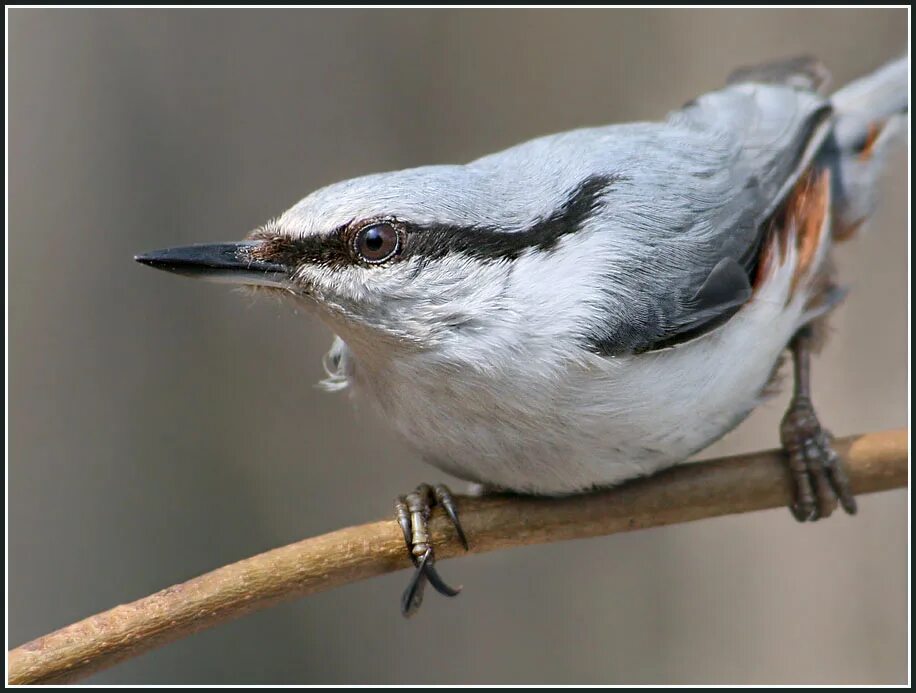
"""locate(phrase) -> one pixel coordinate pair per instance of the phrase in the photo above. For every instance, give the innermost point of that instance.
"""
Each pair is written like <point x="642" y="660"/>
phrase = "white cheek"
<point x="336" y="284"/>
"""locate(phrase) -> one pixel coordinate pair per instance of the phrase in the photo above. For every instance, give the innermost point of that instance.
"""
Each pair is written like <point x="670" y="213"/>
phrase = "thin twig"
<point x="875" y="461"/>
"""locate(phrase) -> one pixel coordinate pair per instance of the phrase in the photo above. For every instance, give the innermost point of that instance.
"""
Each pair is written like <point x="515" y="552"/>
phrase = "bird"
<point x="592" y="306"/>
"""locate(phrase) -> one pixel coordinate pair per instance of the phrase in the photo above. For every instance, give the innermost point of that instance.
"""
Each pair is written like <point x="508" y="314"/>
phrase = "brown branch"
<point x="875" y="461"/>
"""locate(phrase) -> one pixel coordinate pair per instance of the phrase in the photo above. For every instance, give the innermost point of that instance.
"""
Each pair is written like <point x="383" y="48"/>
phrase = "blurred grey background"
<point x="160" y="428"/>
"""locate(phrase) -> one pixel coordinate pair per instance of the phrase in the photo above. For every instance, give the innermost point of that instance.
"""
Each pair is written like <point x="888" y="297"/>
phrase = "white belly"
<point x="603" y="420"/>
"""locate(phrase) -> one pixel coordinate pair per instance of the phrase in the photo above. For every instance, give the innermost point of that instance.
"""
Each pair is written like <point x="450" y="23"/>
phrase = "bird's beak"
<point x="229" y="263"/>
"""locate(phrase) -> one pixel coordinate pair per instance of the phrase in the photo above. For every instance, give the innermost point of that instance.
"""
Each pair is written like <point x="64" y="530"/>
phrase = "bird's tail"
<point x="870" y="120"/>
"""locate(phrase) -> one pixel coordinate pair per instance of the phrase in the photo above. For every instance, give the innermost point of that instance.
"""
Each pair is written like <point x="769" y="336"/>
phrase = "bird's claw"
<point x="413" y="513"/>
<point x="820" y="480"/>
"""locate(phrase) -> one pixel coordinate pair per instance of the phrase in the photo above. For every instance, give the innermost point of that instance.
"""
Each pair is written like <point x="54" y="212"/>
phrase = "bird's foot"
<point x="413" y="513"/>
<point x="817" y="471"/>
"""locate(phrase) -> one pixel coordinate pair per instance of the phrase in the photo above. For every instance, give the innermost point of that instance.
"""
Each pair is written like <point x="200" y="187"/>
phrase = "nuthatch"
<point x="591" y="306"/>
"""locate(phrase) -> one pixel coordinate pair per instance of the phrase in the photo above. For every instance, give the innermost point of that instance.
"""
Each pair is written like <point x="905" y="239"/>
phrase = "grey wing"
<point x="720" y="168"/>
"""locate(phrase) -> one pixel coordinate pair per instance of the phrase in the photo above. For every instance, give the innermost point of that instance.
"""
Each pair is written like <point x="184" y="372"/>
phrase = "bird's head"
<point x="421" y="258"/>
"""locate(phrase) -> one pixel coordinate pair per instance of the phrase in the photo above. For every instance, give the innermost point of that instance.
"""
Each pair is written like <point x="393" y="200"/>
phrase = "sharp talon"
<point x="438" y="583"/>
<point x="444" y="497"/>
<point x="838" y="479"/>
<point x="826" y="498"/>
<point x="804" y="514"/>
<point x="827" y="501"/>
<point x="849" y="504"/>
<point x="463" y="539"/>
<point x="413" y="594"/>
<point x="403" y="515"/>
<point x="413" y="512"/>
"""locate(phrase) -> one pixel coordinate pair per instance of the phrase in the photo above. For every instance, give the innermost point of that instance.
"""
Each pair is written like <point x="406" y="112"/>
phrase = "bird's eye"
<point x="377" y="242"/>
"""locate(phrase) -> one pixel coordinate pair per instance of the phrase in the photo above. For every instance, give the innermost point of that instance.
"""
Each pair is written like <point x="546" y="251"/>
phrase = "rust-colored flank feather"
<point x="874" y="129"/>
<point x="801" y="222"/>
<point x="809" y="206"/>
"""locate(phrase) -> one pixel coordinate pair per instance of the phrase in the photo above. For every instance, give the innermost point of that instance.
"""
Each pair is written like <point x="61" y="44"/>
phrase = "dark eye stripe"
<point x="492" y="244"/>
<point x="328" y="251"/>
<point x="432" y="242"/>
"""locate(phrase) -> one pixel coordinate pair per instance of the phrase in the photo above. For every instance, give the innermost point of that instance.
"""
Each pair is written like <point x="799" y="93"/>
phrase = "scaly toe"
<point x="413" y="512"/>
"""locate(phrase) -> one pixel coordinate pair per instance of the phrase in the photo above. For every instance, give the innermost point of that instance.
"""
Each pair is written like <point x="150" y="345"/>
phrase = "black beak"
<point x="231" y="263"/>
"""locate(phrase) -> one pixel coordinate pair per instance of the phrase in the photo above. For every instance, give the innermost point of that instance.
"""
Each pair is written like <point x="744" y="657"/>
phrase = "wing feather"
<point x="697" y="273"/>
